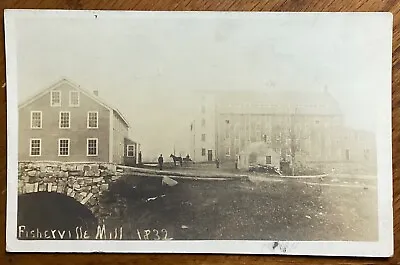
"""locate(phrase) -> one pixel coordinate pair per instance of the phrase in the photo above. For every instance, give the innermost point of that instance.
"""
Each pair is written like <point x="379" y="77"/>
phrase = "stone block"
<point x="104" y="187"/>
<point x="29" y="187"/>
<point x="86" y="188"/>
<point x="94" y="167"/>
<point x="113" y="178"/>
<point x="42" y="174"/>
<point x="97" y="180"/>
<point x="54" y="188"/>
<point x="72" y="194"/>
<point x="64" y="167"/>
<point x="36" y="187"/>
<point x="52" y="179"/>
<point x="60" y="189"/>
<point x="20" y="183"/>
<point x="76" y="186"/>
<point x="25" y="178"/>
<point x="77" y="173"/>
<point x="79" y="167"/>
<point x="86" y="168"/>
<point x="80" y="181"/>
<point x="88" y="181"/>
<point x="92" y="201"/>
<point x="42" y="187"/>
<point x="32" y="173"/>
<point x="34" y="179"/>
<point x="70" y="183"/>
<point x="78" y="197"/>
<point x="112" y="168"/>
<point x="49" y="186"/>
<point x="87" y="198"/>
<point x="95" y="189"/>
<point x="72" y="168"/>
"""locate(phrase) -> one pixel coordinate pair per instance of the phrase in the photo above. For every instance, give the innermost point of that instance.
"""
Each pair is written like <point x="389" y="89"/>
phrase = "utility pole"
<point x="293" y="144"/>
<point x="194" y="140"/>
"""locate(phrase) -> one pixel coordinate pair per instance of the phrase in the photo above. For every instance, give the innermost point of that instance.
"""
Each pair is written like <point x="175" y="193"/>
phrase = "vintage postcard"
<point x="199" y="132"/>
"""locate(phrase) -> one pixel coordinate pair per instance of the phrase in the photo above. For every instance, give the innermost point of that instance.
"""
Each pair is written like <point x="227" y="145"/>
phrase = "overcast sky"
<point x="147" y="65"/>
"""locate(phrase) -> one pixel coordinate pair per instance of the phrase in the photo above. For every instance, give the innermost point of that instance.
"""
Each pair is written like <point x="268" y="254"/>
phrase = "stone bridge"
<point x="85" y="182"/>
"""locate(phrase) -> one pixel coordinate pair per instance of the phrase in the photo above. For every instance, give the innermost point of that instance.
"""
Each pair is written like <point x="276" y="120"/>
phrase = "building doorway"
<point x="253" y="158"/>
<point x="210" y="156"/>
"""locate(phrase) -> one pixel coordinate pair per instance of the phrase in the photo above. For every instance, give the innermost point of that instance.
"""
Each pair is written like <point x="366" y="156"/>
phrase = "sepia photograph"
<point x="199" y="132"/>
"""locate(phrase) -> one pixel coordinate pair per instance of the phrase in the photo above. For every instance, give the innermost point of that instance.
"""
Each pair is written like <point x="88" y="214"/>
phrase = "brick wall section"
<point x="85" y="182"/>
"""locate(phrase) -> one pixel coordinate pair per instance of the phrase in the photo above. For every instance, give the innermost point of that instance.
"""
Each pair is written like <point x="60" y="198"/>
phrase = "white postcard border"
<point x="381" y="248"/>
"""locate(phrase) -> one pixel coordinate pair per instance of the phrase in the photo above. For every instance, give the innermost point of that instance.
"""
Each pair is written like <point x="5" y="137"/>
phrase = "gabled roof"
<point x="80" y="89"/>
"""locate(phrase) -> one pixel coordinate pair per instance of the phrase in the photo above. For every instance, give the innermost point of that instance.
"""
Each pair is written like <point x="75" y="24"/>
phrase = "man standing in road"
<point x="140" y="158"/>
<point x="160" y="161"/>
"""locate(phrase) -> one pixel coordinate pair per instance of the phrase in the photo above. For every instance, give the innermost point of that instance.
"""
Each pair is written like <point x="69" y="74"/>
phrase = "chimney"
<point x="96" y="92"/>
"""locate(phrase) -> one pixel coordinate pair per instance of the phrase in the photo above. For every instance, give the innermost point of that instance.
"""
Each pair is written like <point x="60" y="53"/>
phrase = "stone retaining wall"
<point x="85" y="182"/>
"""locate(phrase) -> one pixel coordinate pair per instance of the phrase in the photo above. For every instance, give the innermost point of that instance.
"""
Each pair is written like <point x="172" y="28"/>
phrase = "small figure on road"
<point x="160" y="161"/>
<point x="236" y="162"/>
<point x="217" y="162"/>
<point x="140" y="158"/>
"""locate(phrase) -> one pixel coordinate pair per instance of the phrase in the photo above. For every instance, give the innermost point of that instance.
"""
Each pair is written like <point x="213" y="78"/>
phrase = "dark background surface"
<point x="208" y="5"/>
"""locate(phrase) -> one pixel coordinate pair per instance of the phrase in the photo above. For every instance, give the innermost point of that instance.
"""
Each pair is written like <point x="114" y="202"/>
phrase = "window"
<point x="36" y="119"/>
<point x="93" y="119"/>
<point x="268" y="160"/>
<point x="130" y="150"/>
<point x="55" y="98"/>
<point x="203" y="122"/>
<point x="203" y="151"/>
<point x="92" y="147"/>
<point x="64" y="119"/>
<point x="366" y="154"/>
<point x="74" y="98"/>
<point x="227" y="151"/>
<point x="35" y="147"/>
<point x="347" y="154"/>
<point x="203" y="137"/>
<point x="63" y="147"/>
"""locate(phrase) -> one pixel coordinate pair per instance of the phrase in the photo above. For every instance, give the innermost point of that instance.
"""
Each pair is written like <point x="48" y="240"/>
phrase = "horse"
<point x="176" y="158"/>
